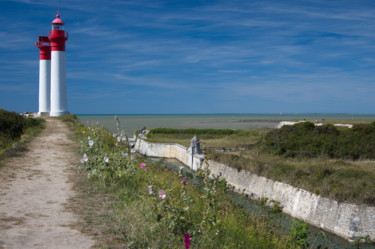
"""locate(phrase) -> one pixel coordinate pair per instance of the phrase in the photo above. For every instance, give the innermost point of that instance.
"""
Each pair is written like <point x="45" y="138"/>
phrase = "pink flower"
<point x="162" y="194"/>
<point x="143" y="166"/>
<point x="187" y="240"/>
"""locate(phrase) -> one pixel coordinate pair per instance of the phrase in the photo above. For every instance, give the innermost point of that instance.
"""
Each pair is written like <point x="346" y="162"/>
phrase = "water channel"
<point x="317" y="237"/>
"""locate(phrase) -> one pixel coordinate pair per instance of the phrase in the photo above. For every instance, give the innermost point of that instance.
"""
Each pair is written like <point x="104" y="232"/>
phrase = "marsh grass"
<point x="342" y="180"/>
<point x="239" y="138"/>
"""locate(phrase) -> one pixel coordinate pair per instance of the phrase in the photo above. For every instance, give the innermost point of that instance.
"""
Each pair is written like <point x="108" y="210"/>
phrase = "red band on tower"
<point x="44" y="48"/>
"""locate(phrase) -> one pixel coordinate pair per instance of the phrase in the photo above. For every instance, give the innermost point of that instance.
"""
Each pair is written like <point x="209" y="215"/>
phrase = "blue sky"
<point x="195" y="56"/>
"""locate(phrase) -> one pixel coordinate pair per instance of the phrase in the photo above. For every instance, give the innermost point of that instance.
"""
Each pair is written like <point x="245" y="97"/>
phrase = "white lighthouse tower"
<point x="44" y="75"/>
<point x="58" y="37"/>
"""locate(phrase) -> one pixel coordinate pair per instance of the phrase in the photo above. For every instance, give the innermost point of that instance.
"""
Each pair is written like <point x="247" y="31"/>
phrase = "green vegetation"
<point x="15" y="130"/>
<point x="149" y="206"/>
<point x="210" y="137"/>
<point x="305" y="140"/>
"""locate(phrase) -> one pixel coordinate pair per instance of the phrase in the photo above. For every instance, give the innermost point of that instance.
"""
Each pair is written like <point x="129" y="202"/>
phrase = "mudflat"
<point x="35" y="191"/>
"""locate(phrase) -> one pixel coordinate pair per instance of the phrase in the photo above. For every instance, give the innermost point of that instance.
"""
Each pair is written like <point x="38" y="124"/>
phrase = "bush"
<point x="307" y="140"/>
<point x="11" y="124"/>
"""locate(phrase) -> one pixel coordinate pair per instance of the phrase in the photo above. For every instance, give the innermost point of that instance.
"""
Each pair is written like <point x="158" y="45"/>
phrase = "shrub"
<point x="327" y="141"/>
<point x="11" y="124"/>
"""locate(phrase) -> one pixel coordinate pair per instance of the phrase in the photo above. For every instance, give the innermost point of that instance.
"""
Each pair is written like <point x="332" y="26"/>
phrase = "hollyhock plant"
<point x="84" y="158"/>
<point x="162" y="194"/>
<point x="91" y="143"/>
<point x="187" y="240"/>
<point x="143" y="166"/>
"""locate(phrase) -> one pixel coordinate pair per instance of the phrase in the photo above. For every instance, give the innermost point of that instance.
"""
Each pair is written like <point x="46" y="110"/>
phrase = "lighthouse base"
<point x="57" y="114"/>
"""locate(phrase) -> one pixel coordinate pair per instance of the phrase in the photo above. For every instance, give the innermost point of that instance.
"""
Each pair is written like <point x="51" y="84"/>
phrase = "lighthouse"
<point x="44" y="75"/>
<point x="57" y="37"/>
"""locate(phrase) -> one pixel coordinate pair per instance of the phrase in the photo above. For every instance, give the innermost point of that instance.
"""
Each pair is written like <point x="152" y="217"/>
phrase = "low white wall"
<point x="169" y="150"/>
<point x="349" y="221"/>
<point x="346" y="220"/>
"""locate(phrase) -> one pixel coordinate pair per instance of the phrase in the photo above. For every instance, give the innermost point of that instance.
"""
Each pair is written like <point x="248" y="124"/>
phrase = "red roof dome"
<point x="58" y="21"/>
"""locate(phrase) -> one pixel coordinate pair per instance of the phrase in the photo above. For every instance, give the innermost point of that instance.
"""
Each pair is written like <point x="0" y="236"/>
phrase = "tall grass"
<point x="152" y="207"/>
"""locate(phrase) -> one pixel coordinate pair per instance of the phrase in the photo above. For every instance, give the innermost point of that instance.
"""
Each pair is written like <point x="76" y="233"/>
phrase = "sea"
<point x="132" y="122"/>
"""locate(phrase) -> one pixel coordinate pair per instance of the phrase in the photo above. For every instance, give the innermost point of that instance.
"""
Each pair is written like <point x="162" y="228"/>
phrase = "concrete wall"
<point x="169" y="150"/>
<point x="346" y="220"/>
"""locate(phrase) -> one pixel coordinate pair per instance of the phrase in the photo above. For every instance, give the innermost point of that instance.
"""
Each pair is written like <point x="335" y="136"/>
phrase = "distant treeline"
<point x="13" y="125"/>
<point x="192" y="131"/>
<point x="307" y="140"/>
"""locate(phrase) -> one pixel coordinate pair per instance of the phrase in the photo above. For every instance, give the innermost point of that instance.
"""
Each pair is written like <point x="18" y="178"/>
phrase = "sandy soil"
<point x="35" y="191"/>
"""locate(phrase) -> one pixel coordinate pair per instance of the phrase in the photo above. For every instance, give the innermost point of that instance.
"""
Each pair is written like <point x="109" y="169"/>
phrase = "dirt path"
<point x="35" y="192"/>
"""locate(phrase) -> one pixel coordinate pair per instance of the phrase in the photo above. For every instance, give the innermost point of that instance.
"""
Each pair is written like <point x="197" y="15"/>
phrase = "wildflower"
<point x="184" y="180"/>
<point x="150" y="190"/>
<point x="119" y="139"/>
<point x="143" y="166"/>
<point x="162" y="194"/>
<point x="124" y="154"/>
<point x="187" y="240"/>
<point x="85" y="158"/>
<point x="106" y="159"/>
<point x="133" y="151"/>
<point x="91" y="143"/>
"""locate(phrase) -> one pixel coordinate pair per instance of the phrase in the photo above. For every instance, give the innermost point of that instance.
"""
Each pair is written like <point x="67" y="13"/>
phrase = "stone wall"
<point x="346" y="220"/>
<point x="169" y="150"/>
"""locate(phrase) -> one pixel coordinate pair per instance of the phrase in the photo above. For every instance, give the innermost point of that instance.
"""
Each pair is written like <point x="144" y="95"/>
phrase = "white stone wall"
<point x="346" y="220"/>
<point x="169" y="150"/>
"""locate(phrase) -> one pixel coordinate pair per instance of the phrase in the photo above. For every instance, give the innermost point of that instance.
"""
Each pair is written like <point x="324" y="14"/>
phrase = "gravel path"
<point x="34" y="194"/>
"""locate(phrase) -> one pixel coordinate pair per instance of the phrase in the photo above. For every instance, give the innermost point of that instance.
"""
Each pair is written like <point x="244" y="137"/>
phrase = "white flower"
<point x="124" y="154"/>
<point x="133" y="151"/>
<point x="84" y="158"/>
<point x="106" y="159"/>
<point x="119" y="139"/>
<point x="162" y="194"/>
<point x="150" y="191"/>
<point x="91" y="143"/>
